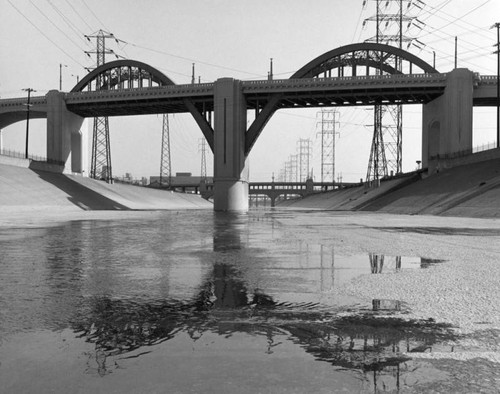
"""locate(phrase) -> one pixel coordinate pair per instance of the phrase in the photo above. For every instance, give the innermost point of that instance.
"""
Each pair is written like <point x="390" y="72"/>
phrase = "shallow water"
<point x="202" y="302"/>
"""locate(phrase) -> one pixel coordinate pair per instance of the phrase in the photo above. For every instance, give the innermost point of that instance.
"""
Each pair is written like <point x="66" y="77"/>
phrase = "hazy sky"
<point x="230" y="38"/>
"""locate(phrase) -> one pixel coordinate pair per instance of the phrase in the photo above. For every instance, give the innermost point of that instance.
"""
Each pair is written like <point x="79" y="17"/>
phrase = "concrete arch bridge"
<point x="352" y="75"/>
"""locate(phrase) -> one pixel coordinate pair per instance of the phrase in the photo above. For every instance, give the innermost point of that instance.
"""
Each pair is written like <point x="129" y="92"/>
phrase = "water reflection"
<point x="225" y="304"/>
<point x="126" y="287"/>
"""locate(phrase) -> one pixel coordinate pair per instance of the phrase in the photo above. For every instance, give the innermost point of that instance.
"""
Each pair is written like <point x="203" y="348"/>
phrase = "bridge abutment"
<point x="230" y="161"/>
<point x="447" y="120"/>
<point x="64" y="141"/>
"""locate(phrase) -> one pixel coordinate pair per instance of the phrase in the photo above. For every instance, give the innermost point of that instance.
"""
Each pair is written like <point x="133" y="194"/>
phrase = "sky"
<point x="43" y="40"/>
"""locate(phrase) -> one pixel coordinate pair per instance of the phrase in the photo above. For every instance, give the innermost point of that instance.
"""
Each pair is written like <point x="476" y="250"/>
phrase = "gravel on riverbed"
<point x="464" y="291"/>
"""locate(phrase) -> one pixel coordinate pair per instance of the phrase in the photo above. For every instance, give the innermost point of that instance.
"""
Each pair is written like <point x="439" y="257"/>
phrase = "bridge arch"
<point x="122" y="74"/>
<point x="348" y="60"/>
<point x="132" y="74"/>
<point x="371" y="56"/>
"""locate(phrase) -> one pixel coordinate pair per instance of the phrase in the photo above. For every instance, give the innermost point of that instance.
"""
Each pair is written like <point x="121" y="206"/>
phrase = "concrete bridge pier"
<point x="447" y="120"/>
<point x="64" y="140"/>
<point x="230" y="162"/>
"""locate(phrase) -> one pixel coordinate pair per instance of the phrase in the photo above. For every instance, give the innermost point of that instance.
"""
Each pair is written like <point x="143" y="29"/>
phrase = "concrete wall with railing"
<point x="31" y="164"/>
<point x="441" y="162"/>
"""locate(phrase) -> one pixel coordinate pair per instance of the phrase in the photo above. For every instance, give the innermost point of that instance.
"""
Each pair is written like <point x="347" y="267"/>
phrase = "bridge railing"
<point x="175" y="89"/>
<point x="488" y="80"/>
<point x="405" y="78"/>
<point x="14" y="102"/>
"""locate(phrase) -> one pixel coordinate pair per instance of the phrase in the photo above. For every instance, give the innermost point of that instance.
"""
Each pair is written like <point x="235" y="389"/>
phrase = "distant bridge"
<point x="273" y="190"/>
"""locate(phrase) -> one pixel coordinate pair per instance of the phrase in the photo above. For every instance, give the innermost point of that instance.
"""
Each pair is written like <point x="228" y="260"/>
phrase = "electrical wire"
<point x="95" y="16"/>
<point x="53" y="24"/>
<point x="189" y="59"/>
<point x="78" y="14"/>
<point x="68" y="23"/>
<point x="449" y="18"/>
<point x="43" y="34"/>
<point x="459" y="18"/>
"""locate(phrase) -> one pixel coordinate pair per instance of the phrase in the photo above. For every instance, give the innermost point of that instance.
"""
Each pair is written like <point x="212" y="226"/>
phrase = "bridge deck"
<point x="293" y="93"/>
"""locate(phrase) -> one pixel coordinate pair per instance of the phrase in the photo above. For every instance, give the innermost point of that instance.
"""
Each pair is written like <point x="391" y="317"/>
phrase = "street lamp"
<point x="29" y="90"/>
<point x="60" y="75"/>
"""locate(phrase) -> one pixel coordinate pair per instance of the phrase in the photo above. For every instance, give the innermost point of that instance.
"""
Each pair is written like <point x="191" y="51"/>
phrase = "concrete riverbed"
<point x="119" y="289"/>
<point x="269" y="301"/>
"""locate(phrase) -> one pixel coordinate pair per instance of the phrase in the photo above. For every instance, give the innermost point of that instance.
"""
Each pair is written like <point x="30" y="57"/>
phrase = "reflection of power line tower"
<point x="304" y="152"/>
<point x="203" y="150"/>
<point x="386" y="153"/>
<point x="100" y="167"/>
<point x="166" y="163"/>
<point x="376" y="263"/>
<point x="329" y="122"/>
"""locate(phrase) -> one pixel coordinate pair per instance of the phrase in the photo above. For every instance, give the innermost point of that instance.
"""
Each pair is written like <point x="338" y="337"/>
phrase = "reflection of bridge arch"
<point x="347" y="60"/>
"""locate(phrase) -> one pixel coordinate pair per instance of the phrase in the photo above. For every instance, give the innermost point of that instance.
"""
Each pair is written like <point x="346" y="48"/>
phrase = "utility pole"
<point x="165" y="164"/>
<point x="497" y="25"/>
<point x="101" y="148"/>
<point x="28" y="105"/>
<point x="203" y="150"/>
<point x="60" y="75"/>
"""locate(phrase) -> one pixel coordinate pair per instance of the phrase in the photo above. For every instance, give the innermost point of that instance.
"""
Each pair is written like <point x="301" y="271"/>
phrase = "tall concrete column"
<point x="447" y="120"/>
<point x="230" y="162"/>
<point x="63" y="133"/>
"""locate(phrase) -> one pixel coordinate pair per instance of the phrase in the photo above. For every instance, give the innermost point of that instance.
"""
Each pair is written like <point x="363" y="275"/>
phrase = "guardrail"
<point x="466" y="152"/>
<point x="20" y="155"/>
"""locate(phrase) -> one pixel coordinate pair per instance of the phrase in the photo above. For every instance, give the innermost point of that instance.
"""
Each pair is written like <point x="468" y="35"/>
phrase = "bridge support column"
<point x="447" y="121"/>
<point x="230" y="162"/>
<point x="63" y="133"/>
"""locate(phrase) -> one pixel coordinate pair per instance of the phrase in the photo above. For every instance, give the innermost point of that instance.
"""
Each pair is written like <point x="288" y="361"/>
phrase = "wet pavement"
<point x="200" y="302"/>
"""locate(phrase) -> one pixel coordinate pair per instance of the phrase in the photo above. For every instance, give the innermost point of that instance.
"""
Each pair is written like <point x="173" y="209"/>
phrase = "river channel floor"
<point x="272" y="301"/>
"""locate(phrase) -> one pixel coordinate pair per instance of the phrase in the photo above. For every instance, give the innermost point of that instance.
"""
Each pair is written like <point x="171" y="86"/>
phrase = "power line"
<point x="460" y="18"/>
<point x="53" y="24"/>
<point x="66" y="20"/>
<point x="95" y="16"/>
<point x="43" y="34"/>
<point x="189" y="59"/>
<point x="78" y="14"/>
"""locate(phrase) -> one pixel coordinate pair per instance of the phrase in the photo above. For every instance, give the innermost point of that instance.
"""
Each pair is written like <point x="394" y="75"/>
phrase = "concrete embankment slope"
<point x="472" y="190"/>
<point x="23" y="189"/>
<point x="351" y="198"/>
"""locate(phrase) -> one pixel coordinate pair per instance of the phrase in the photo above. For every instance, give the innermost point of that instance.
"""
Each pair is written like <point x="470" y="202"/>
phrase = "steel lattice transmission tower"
<point x="203" y="150"/>
<point x="304" y="158"/>
<point x="100" y="167"/>
<point x="165" y="164"/>
<point x="386" y="154"/>
<point x="329" y="122"/>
